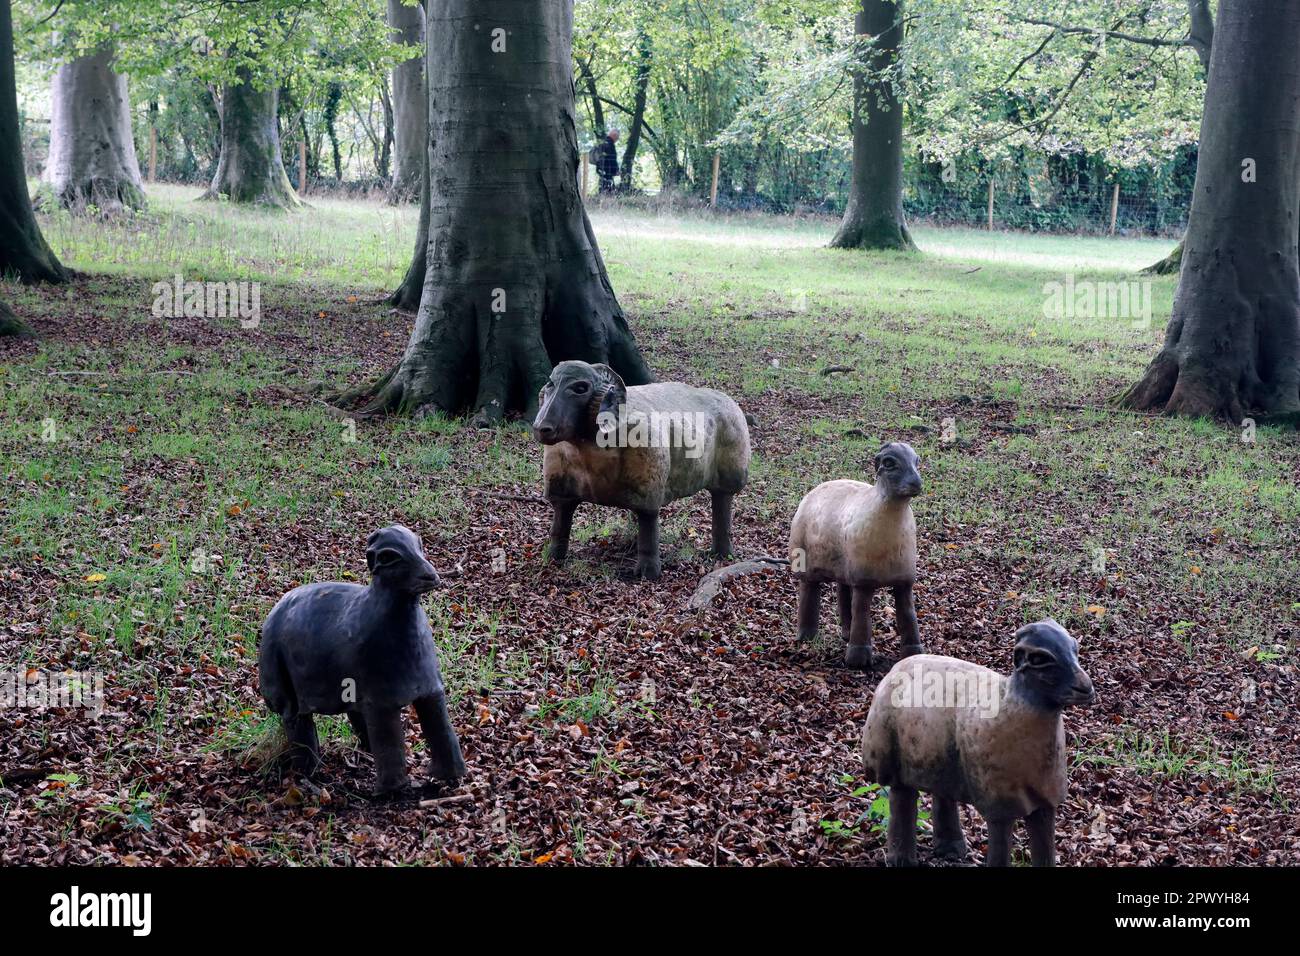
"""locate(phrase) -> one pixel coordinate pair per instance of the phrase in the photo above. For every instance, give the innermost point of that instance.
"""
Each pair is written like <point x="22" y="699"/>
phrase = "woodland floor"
<point x="602" y="722"/>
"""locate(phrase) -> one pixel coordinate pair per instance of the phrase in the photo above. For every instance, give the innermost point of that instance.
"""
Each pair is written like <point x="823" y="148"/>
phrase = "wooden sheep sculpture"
<point x="862" y="537"/>
<point x="637" y="448"/>
<point x="333" y="648"/>
<point x="966" y="734"/>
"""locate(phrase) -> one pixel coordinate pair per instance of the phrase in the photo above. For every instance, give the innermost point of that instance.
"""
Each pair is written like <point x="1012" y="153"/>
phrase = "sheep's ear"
<point x="615" y="389"/>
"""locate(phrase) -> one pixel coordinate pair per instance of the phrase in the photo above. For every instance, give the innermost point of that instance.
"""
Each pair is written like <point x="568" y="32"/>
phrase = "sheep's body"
<point x="656" y="444"/>
<point x="645" y="477"/>
<point x="1007" y="765"/>
<point x="966" y="734"/>
<point x="319" y="641"/>
<point x="850" y="533"/>
<point x="861" y="537"/>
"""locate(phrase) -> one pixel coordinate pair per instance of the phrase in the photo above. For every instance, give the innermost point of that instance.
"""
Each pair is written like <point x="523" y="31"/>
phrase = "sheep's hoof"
<point x="953" y="851"/>
<point x="858" y="657"/>
<point x="910" y="649"/>
<point x="392" y="789"/>
<point x="900" y="861"/>
<point x="649" y="572"/>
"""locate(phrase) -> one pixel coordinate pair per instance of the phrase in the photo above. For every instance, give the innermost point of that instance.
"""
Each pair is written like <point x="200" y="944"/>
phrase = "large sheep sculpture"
<point x="862" y="537"/>
<point x="333" y="648"/>
<point x="637" y="448"/>
<point x="967" y="734"/>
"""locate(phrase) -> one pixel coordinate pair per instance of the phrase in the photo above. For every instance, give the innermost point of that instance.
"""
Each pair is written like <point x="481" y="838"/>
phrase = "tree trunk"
<point x="874" y="216"/>
<point x="23" y="250"/>
<point x="597" y="108"/>
<point x="251" y="169"/>
<point x="1201" y="32"/>
<point x="515" y="281"/>
<point x="407" y="295"/>
<point x="11" y="325"/>
<point x="410" y="105"/>
<point x="642" y="81"/>
<point x="1232" y="347"/>
<point x="92" y="151"/>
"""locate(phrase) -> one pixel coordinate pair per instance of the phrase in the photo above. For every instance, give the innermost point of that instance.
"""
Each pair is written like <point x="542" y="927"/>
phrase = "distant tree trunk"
<point x="251" y="169"/>
<point x="384" y="158"/>
<point x="1232" y="347"/>
<point x="597" y="108"/>
<point x="333" y="97"/>
<point x="11" y="325"/>
<point x="407" y="295"/>
<point x="515" y="281"/>
<point x="92" y="149"/>
<point x="410" y="105"/>
<point x="874" y="216"/>
<point x="1201" y="32"/>
<point x="23" y="250"/>
<point x="642" y="82"/>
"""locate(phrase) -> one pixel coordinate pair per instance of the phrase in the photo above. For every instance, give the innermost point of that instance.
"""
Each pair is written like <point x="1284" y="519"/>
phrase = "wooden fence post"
<point x="302" y="167"/>
<point x="153" y="153"/>
<point x="990" y="204"/>
<point x="713" y="191"/>
<point x="1114" y="209"/>
<point x="586" y="162"/>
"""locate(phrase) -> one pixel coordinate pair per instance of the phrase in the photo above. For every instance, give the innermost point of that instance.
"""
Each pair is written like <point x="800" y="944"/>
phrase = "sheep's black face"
<point x="1047" y="666"/>
<point x="897" y="472"/>
<point x="573" y="398"/>
<point x="396" y="560"/>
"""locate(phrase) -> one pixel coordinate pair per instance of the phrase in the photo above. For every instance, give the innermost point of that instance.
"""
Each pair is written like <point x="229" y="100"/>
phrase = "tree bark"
<point x="1232" y="347"/>
<point x="92" y="150"/>
<point x="642" y="82"/>
<point x="1169" y="265"/>
<point x="251" y="169"/>
<point x="873" y="218"/>
<point x="514" y="280"/>
<point x="23" y="250"/>
<point x="410" y="105"/>
<point x="11" y="325"/>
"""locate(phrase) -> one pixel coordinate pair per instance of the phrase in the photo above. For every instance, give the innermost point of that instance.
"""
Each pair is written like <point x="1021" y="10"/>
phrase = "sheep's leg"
<point x="561" y="526"/>
<point x="900" y="844"/>
<point x="722" y="524"/>
<point x="388" y="744"/>
<point x="999" y="853"/>
<point x="905" y="611"/>
<point x="949" y="841"/>
<point x="304" y="746"/>
<point x="358" y="723"/>
<point x="1041" y="825"/>
<point x="647" y="545"/>
<point x="845" y="592"/>
<point x="858" y="654"/>
<point x="445" y="761"/>
<point x="810" y="608"/>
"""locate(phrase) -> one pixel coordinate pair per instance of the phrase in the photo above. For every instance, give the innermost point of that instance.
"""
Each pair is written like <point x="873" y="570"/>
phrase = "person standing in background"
<point x="605" y="156"/>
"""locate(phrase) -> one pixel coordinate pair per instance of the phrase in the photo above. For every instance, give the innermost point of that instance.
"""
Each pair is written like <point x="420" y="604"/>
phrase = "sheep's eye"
<point x="387" y="557"/>
<point x="1040" y="659"/>
<point x="889" y="463"/>
<point x="581" y="388"/>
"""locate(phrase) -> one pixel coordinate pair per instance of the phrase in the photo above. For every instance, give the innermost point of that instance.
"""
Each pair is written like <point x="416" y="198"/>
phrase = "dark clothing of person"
<point x="606" y="164"/>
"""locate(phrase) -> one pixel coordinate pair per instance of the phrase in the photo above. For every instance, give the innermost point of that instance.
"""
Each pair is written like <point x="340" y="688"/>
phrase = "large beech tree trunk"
<point x="92" y="152"/>
<point x="10" y="324"/>
<point x="410" y="106"/>
<point x="514" y="280"/>
<point x="23" y="250"/>
<point x="250" y="169"/>
<point x="873" y="218"/>
<point x="1232" y="346"/>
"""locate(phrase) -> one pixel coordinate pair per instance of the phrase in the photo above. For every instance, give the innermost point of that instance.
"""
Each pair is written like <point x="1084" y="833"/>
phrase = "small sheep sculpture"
<point x="332" y="648"/>
<point x="862" y="537"/>
<point x="966" y="734"/>
<point x="637" y="448"/>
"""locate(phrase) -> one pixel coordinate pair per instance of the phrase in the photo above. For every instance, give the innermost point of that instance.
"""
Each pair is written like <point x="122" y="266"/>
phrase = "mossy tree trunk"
<point x="23" y="250"/>
<point x="514" y="279"/>
<point x="873" y="218"/>
<point x="251" y="169"/>
<point x="92" y="151"/>
<point x="11" y="325"/>
<point x="410" y="106"/>
<point x="1232" y="347"/>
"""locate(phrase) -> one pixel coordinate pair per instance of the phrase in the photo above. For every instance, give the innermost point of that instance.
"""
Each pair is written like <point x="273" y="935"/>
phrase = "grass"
<point x="202" y="480"/>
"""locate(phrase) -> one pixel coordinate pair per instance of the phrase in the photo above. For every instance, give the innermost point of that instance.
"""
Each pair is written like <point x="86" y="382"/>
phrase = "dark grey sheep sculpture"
<point x="333" y="648"/>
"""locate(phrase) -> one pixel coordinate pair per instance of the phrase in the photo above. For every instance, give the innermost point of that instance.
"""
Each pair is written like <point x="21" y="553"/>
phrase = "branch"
<point x="1102" y="32"/>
